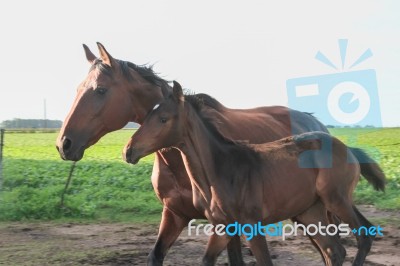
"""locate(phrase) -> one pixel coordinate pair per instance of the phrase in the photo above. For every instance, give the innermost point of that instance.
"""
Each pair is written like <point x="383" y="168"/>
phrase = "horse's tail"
<point x="370" y="169"/>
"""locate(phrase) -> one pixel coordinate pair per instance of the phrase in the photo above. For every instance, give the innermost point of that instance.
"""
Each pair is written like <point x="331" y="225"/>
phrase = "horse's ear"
<point x="177" y="92"/>
<point x="89" y="55"/>
<point x="105" y="56"/>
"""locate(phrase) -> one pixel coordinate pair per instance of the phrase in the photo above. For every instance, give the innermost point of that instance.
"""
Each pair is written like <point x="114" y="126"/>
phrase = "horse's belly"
<point x="289" y="194"/>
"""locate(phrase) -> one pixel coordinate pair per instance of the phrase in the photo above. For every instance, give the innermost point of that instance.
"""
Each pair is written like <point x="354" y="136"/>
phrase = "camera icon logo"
<point x="342" y="99"/>
<point x="339" y="99"/>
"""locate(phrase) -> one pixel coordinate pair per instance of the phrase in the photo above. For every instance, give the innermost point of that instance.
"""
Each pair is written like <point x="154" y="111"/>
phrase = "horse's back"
<point x="262" y="124"/>
<point x="326" y="147"/>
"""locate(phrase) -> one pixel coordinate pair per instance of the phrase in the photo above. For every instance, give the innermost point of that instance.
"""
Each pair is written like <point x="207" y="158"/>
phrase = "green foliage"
<point x="31" y="123"/>
<point x="104" y="187"/>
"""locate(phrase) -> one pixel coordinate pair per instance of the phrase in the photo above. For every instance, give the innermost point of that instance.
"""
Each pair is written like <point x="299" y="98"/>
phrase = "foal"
<point x="251" y="183"/>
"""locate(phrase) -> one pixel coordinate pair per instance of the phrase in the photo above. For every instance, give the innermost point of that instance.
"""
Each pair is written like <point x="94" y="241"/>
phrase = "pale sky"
<point x="240" y="52"/>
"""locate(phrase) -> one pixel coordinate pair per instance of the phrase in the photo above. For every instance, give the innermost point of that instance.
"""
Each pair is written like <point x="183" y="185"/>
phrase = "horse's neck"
<point x="149" y="95"/>
<point x="198" y="154"/>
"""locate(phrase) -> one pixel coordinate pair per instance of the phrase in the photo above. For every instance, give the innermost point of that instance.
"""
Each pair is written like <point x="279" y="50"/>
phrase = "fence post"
<point x="67" y="183"/>
<point x="1" y="157"/>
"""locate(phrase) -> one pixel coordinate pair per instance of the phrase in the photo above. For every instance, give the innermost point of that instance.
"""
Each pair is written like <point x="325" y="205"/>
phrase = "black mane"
<point x="199" y="100"/>
<point x="145" y="71"/>
<point x="231" y="153"/>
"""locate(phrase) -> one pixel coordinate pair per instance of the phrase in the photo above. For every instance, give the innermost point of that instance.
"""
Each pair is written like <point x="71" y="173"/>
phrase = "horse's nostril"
<point x="128" y="153"/>
<point x="66" y="144"/>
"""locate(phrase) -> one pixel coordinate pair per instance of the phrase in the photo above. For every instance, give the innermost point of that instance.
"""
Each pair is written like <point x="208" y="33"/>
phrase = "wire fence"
<point x="28" y="130"/>
<point x="1" y="157"/>
<point x="37" y="184"/>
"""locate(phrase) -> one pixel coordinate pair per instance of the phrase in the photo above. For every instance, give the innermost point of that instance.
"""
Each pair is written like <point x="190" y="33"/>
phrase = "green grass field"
<point x="104" y="187"/>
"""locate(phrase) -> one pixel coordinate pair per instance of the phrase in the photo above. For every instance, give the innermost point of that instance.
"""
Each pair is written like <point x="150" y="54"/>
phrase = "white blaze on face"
<point x="156" y="106"/>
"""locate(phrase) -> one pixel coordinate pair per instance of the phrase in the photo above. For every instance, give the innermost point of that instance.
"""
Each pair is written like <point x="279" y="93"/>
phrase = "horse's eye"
<point x="163" y="120"/>
<point x="101" y="90"/>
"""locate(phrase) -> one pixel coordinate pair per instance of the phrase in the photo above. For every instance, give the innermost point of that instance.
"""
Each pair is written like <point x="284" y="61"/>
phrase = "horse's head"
<point x="112" y="94"/>
<point x="162" y="128"/>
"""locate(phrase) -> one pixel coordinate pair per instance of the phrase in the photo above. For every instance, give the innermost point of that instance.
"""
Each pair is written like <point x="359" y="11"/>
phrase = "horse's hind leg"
<point x="367" y="238"/>
<point x="170" y="228"/>
<point x="330" y="248"/>
<point x="259" y="248"/>
<point x="341" y="206"/>
<point x="235" y="251"/>
<point x="362" y="219"/>
<point x="215" y="245"/>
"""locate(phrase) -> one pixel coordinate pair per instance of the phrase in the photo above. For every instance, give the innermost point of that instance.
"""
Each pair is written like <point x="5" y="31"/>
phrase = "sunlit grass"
<point x="104" y="187"/>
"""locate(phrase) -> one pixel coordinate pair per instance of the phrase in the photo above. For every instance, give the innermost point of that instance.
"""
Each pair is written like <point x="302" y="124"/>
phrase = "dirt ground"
<point x="129" y="244"/>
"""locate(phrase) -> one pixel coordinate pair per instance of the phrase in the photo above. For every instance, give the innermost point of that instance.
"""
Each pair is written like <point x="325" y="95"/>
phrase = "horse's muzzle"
<point x="68" y="151"/>
<point x="131" y="155"/>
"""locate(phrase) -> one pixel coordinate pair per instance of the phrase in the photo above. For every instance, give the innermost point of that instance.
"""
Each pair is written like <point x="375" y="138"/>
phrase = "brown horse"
<point x="116" y="92"/>
<point x="234" y="182"/>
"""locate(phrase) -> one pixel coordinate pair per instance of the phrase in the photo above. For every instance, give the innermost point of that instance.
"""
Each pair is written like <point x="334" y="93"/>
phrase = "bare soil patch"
<point x="129" y="244"/>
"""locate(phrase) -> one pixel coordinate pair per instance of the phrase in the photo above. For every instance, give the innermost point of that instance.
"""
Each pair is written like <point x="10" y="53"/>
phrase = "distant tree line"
<point x="41" y="123"/>
<point x="31" y="123"/>
<point x="355" y="126"/>
<point x="132" y="125"/>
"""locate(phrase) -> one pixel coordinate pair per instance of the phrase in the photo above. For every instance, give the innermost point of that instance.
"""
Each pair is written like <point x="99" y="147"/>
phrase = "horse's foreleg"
<point x="170" y="228"/>
<point x="259" y="248"/>
<point x="216" y="244"/>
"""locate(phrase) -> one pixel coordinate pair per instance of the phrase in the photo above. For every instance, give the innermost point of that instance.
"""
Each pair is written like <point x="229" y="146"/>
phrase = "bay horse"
<point x="252" y="183"/>
<point x="116" y="92"/>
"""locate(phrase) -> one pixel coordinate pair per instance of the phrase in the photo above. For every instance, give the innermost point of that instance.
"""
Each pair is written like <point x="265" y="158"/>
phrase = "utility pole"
<point x="1" y="157"/>
<point x="45" y="113"/>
